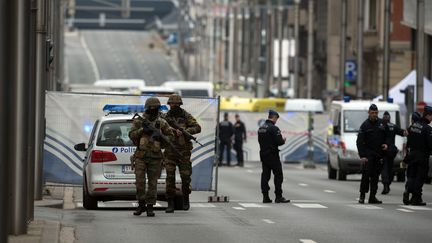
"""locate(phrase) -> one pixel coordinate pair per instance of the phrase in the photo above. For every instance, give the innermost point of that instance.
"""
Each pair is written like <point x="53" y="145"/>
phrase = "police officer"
<point x="270" y="138"/>
<point x="147" y="158"/>
<point x="226" y="131"/>
<point x="372" y="144"/>
<point x="183" y="121"/>
<point x="419" y="146"/>
<point x="387" y="172"/>
<point x="239" y="138"/>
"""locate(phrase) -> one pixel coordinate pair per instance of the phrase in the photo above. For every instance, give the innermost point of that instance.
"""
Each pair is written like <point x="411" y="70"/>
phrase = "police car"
<point x="346" y="118"/>
<point x="107" y="171"/>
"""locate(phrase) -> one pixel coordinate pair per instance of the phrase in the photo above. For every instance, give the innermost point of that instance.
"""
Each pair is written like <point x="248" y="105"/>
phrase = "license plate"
<point x="127" y="169"/>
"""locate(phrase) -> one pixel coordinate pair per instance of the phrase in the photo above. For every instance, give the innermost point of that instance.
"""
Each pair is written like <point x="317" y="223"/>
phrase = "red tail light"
<point x="98" y="156"/>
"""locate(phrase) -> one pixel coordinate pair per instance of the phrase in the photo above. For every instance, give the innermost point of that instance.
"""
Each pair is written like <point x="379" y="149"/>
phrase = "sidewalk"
<point x="48" y="231"/>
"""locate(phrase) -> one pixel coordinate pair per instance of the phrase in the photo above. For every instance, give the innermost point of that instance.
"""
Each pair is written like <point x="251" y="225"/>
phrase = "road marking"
<point x="307" y="241"/>
<point x="253" y="205"/>
<point x="362" y="206"/>
<point x="250" y="171"/>
<point x="302" y="184"/>
<point x="417" y="208"/>
<point x="268" y="221"/>
<point x="91" y="58"/>
<point x="303" y="201"/>
<point x="309" y="205"/>
<point x="239" y="208"/>
<point x="329" y="191"/>
<point x="405" y="210"/>
<point x="202" y="205"/>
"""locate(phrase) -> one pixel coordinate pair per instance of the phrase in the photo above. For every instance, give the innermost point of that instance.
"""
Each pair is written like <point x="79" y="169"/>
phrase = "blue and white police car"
<point x="107" y="171"/>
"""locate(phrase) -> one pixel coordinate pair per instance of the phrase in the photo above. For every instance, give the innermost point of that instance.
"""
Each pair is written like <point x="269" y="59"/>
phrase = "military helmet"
<point x="152" y="102"/>
<point x="175" y="98"/>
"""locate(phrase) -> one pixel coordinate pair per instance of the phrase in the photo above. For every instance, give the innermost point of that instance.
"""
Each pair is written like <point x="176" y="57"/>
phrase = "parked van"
<point x="157" y="91"/>
<point x="191" y="88"/>
<point x="305" y="105"/>
<point x="345" y="120"/>
<point x="132" y="86"/>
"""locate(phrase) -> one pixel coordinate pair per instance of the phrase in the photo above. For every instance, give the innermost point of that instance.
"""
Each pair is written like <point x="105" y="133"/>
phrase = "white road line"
<point x="417" y="208"/>
<point x="329" y="191"/>
<point x="202" y="205"/>
<point x="253" y="205"/>
<point x="364" y="206"/>
<point x="268" y="221"/>
<point x="405" y="210"/>
<point x="302" y="184"/>
<point x="309" y="205"/>
<point x="239" y="208"/>
<point x="91" y="58"/>
<point x="307" y="241"/>
<point x="303" y="201"/>
<point x="249" y="171"/>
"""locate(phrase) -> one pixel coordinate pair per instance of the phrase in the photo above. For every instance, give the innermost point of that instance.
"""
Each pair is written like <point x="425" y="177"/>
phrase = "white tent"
<point x="410" y="79"/>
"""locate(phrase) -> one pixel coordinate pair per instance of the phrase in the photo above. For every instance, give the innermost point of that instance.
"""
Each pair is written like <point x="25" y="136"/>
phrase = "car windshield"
<point x="194" y="93"/>
<point x="114" y="134"/>
<point x="354" y="119"/>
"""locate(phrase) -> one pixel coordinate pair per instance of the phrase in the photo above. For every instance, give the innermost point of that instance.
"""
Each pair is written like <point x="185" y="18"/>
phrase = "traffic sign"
<point x="351" y="70"/>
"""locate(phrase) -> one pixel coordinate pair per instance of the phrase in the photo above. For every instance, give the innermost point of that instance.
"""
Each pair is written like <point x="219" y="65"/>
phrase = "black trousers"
<point x="238" y="147"/>
<point x="222" y="146"/>
<point x="416" y="175"/>
<point x="370" y="175"/>
<point x="387" y="171"/>
<point x="274" y="166"/>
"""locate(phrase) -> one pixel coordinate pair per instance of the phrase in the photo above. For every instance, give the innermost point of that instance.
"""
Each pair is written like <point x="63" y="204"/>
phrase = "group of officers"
<point x="152" y="132"/>
<point x="377" y="150"/>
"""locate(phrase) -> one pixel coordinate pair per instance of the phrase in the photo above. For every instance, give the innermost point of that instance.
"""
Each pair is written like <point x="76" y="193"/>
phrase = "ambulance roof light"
<point x="346" y="99"/>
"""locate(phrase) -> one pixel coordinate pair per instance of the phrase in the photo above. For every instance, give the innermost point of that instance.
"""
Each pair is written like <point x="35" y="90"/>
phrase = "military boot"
<point x="417" y="201"/>
<point x="186" y="204"/>
<point x="373" y="199"/>
<point x="141" y="208"/>
<point x="280" y="199"/>
<point x="362" y="197"/>
<point x="170" y="208"/>
<point x="405" y="198"/>
<point x="150" y="212"/>
<point x="266" y="198"/>
<point x="386" y="189"/>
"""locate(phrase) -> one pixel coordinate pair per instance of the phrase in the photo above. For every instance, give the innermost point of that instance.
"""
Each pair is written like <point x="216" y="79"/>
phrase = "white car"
<point x="107" y="172"/>
<point x="346" y="118"/>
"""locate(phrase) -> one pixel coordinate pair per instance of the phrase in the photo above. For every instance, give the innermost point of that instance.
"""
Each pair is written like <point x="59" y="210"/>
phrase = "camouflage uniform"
<point x="184" y="146"/>
<point x="148" y="156"/>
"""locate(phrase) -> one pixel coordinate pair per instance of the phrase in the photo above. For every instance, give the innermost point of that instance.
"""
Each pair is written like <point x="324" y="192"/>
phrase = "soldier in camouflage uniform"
<point x="187" y="123"/>
<point x="147" y="158"/>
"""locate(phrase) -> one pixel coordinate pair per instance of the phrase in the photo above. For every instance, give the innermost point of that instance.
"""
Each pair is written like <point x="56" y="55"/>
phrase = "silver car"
<point x="107" y="172"/>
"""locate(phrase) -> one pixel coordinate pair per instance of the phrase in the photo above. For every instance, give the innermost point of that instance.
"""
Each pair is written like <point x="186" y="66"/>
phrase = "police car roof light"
<point x="346" y="99"/>
<point x="112" y="108"/>
<point x="390" y="100"/>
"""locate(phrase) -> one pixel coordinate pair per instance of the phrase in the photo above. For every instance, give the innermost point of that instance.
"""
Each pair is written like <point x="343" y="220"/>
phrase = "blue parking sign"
<point x="351" y="70"/>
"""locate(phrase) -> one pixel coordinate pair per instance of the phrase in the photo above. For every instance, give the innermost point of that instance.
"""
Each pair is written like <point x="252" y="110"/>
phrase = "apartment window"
<point x="370" y="20"/>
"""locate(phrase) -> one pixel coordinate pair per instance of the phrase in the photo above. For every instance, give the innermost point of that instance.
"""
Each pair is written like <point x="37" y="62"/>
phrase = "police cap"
<point x="427" y="110"/>
<point x="373" y="107"/>
<point x="415" y="116"/>
<point x="273" y="113"/>
<point x="386" y="113"/>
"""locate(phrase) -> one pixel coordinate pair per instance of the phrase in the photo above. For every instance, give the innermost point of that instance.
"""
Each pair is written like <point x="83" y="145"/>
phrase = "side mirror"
<point x="336" y="130"/>
<point x="80" y="147"/>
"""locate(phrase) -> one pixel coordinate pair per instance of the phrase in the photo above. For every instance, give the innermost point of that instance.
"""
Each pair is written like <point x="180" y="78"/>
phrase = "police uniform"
<point x="239" y="137"/>
<point x="371" y="137"/>
<point x="270" y="138"/>
<point x="187" y="122"/>
<point x="388" y="161"/>
<point x="147" y="158"/>
<point x="226" y="131"/>
<point x="419" y="146"/>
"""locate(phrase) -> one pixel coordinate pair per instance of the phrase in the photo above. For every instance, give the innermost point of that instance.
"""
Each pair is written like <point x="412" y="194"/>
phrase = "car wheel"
<point x="341" y="175"/>
<point x="178" y="203"/>
<point x="400" y="176"/>
<point x="89" y="202"/>
<point x="331" y="172"/>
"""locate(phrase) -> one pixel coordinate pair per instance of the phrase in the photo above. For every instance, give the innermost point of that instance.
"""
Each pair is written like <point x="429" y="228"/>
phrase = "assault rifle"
<point x="156" y="133"/>
<point x="186" y="134"/>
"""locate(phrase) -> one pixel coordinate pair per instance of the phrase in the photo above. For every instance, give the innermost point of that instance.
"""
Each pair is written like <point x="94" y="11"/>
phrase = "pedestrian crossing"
<point x="299" y="204"/>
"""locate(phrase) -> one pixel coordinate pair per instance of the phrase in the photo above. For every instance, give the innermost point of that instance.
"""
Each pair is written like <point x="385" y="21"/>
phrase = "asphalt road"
<point x="321" y="210"/>
<point x="108" y="54"/>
